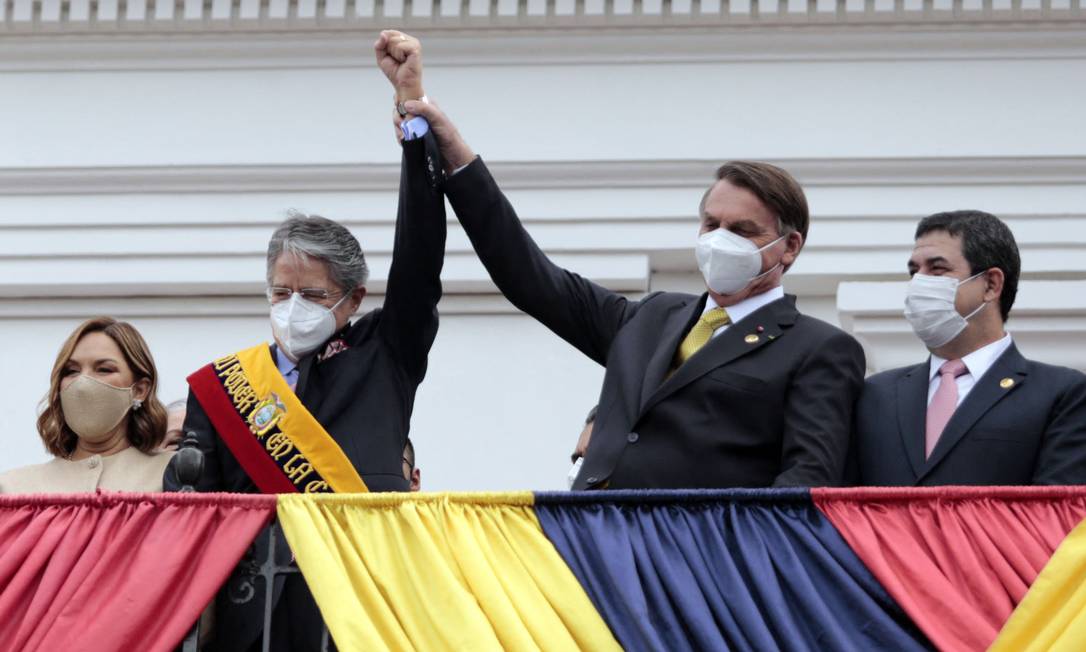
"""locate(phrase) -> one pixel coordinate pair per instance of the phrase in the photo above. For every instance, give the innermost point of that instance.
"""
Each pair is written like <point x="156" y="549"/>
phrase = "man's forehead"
<point x="299" y="268"/>
<point x="937" y="244"/>
<point x="730" y="202"/>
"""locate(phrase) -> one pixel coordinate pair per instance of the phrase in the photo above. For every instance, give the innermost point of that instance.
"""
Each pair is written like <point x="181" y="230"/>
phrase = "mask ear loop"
<point x="983" y="303"/>
<point x="960" y="283"/>
<point x="760" y="250"/>
<point x="341" y="300"/>
<point x="771" y="269"/>
<point x="979" y="308"/>
<point x="765" y="273"/>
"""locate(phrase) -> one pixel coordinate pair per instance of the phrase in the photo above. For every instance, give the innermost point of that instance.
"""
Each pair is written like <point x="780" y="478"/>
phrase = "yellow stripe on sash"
<point x="302" y="429"/>
<point x="400" y="571"/>
<point x="1052" y="616"/>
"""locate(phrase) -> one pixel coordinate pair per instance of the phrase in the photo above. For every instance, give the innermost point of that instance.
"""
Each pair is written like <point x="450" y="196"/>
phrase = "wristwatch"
<point x="402" y="110"/>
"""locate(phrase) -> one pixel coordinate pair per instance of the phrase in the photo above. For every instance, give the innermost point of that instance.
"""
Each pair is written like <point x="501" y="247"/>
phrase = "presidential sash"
<point x="282" y="447"/>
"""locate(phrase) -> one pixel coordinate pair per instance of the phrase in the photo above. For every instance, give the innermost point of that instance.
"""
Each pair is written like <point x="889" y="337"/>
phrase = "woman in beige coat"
<point x="101" y="419"/>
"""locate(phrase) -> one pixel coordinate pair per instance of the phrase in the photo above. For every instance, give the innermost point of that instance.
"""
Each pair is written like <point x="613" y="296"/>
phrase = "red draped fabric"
<point x="957" y="559"/>
<point x="113" y="571"/>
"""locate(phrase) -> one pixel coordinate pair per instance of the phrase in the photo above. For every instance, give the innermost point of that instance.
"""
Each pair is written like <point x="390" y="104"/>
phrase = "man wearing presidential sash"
<point x="327" y="406"/>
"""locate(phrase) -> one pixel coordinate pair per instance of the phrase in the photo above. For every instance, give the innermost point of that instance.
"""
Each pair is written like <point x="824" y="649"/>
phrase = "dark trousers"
<point x="296" y="624"/>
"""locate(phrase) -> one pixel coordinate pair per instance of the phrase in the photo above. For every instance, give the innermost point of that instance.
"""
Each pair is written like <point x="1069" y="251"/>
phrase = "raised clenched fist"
<point x="400" y="57"/>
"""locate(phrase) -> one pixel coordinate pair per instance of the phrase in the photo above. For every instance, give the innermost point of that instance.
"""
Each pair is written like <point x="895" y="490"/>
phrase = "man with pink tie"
<point x="976" y="412"/>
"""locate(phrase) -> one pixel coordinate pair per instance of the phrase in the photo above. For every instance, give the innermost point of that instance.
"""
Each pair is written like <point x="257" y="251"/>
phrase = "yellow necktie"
<point x="701" y="333"/>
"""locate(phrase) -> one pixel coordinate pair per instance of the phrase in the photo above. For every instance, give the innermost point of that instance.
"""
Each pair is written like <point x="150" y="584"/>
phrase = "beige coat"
<point x="128" y="470"/>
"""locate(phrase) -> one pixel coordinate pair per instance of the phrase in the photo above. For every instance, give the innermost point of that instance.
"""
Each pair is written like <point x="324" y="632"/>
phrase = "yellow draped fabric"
<point x="438" y="571"/>
<point x="1052" y="616"/>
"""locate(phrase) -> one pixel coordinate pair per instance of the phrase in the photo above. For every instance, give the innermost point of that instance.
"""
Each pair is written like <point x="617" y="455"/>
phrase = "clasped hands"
<point x="399" y="56"/>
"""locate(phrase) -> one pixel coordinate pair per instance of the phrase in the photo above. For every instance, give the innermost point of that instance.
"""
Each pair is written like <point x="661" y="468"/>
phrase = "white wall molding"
<point x="212" y="306"/>
<point x="278" y="14"/>
<point x="202" y="230"/>
<point x="539" y="175"/>
<point x="199" y="274"/>
<point x="577" y="41"/>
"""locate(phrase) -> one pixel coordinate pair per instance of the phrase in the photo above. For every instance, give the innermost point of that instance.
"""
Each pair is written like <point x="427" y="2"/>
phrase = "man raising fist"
<point x="730" y="388"/>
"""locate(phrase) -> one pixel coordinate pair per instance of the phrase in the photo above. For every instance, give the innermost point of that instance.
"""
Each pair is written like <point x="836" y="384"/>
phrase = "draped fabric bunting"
<point x="438" y="572"/>
<point x="722" y="570"/>
<point x="968" y="551"/>
<point x="116" y="571"/>
<point x="1053" y="614"/>
<point x="789" y="569"/>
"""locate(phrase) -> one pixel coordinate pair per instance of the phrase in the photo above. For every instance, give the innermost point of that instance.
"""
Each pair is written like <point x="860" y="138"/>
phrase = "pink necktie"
<point x="943" y="404"/>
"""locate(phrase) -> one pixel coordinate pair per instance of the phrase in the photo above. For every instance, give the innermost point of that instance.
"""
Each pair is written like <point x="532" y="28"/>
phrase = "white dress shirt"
<point x="977" y="364"/>
<point x="744" y="307"/>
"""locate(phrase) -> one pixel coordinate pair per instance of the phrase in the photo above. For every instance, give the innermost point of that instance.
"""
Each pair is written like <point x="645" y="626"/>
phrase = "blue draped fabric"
<point x="745" y="569"/>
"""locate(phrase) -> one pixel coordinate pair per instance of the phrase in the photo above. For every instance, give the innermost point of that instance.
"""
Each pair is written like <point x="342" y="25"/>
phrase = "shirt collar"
<point x="283" y="362"/>
<point x="747" y="306"/>
<point x="977" y="362"/>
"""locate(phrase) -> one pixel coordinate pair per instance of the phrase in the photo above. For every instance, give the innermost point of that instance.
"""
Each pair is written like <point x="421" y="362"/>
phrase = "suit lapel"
<point x="305" y="370"/>
<point x="912" y="410"/>
<point x="307" y="365"/>
<point x="988" y="390"/>
<point x="738" y="340"/>
<point x="677" y="325"/>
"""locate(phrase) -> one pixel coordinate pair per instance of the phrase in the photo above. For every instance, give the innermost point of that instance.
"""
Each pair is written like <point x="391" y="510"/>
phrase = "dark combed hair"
<point x="776" y="188"/>
<point x="986" y="243"/>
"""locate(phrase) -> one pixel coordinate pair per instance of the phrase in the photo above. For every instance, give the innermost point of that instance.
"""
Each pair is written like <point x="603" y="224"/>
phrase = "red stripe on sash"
<point x="233" y="430"/>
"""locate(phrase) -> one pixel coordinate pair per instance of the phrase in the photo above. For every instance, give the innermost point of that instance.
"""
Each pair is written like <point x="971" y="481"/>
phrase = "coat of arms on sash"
<point x="266" y="414"/>
<point x="281" y="446"/>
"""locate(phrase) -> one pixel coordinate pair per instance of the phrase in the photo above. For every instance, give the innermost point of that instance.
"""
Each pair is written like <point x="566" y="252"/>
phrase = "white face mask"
<point x="571" y="477"/>
<point x="929" y="307"/>
<point x="730" y="262"/>
<point x="301" y="326"/>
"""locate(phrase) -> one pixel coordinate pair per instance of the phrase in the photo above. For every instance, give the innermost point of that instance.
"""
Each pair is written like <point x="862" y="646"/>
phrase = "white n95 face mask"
<point x="730" y="262"/>
<point x="300" y="326"/>
<point x="929" y="307"/>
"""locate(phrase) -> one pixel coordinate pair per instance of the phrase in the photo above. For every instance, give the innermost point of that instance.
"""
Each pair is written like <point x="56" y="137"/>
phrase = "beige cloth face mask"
<point x="92" y="409"/>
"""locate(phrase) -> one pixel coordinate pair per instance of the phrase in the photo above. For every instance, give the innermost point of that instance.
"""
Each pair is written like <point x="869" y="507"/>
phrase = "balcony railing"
<point x="789" y="568"/>
<point x="254" y="577"/>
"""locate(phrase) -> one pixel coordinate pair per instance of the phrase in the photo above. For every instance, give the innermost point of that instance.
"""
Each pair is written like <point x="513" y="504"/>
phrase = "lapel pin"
<point x="751" y="339"/>
<point x="759" y="329"/>
<point x="1006" y="383"/>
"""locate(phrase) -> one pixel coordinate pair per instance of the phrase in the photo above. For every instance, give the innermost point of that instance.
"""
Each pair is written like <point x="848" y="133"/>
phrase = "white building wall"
<point x="147" y="154"/>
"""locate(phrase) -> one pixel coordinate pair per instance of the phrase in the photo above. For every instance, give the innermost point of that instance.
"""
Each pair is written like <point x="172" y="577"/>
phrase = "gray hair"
<point x="326" y="240"/>
<point x="177" y="405"/>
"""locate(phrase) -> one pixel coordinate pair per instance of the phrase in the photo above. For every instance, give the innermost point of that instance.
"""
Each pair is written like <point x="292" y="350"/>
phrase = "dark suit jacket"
<point x="1023" y="423"/>
<point x="363" y="395"/>
<point x="767" y="403"/>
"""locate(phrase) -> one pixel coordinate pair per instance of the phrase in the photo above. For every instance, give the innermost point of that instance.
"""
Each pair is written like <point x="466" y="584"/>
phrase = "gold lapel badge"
<point x="751" y="339"/>
<point x="1006" y="383"/>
